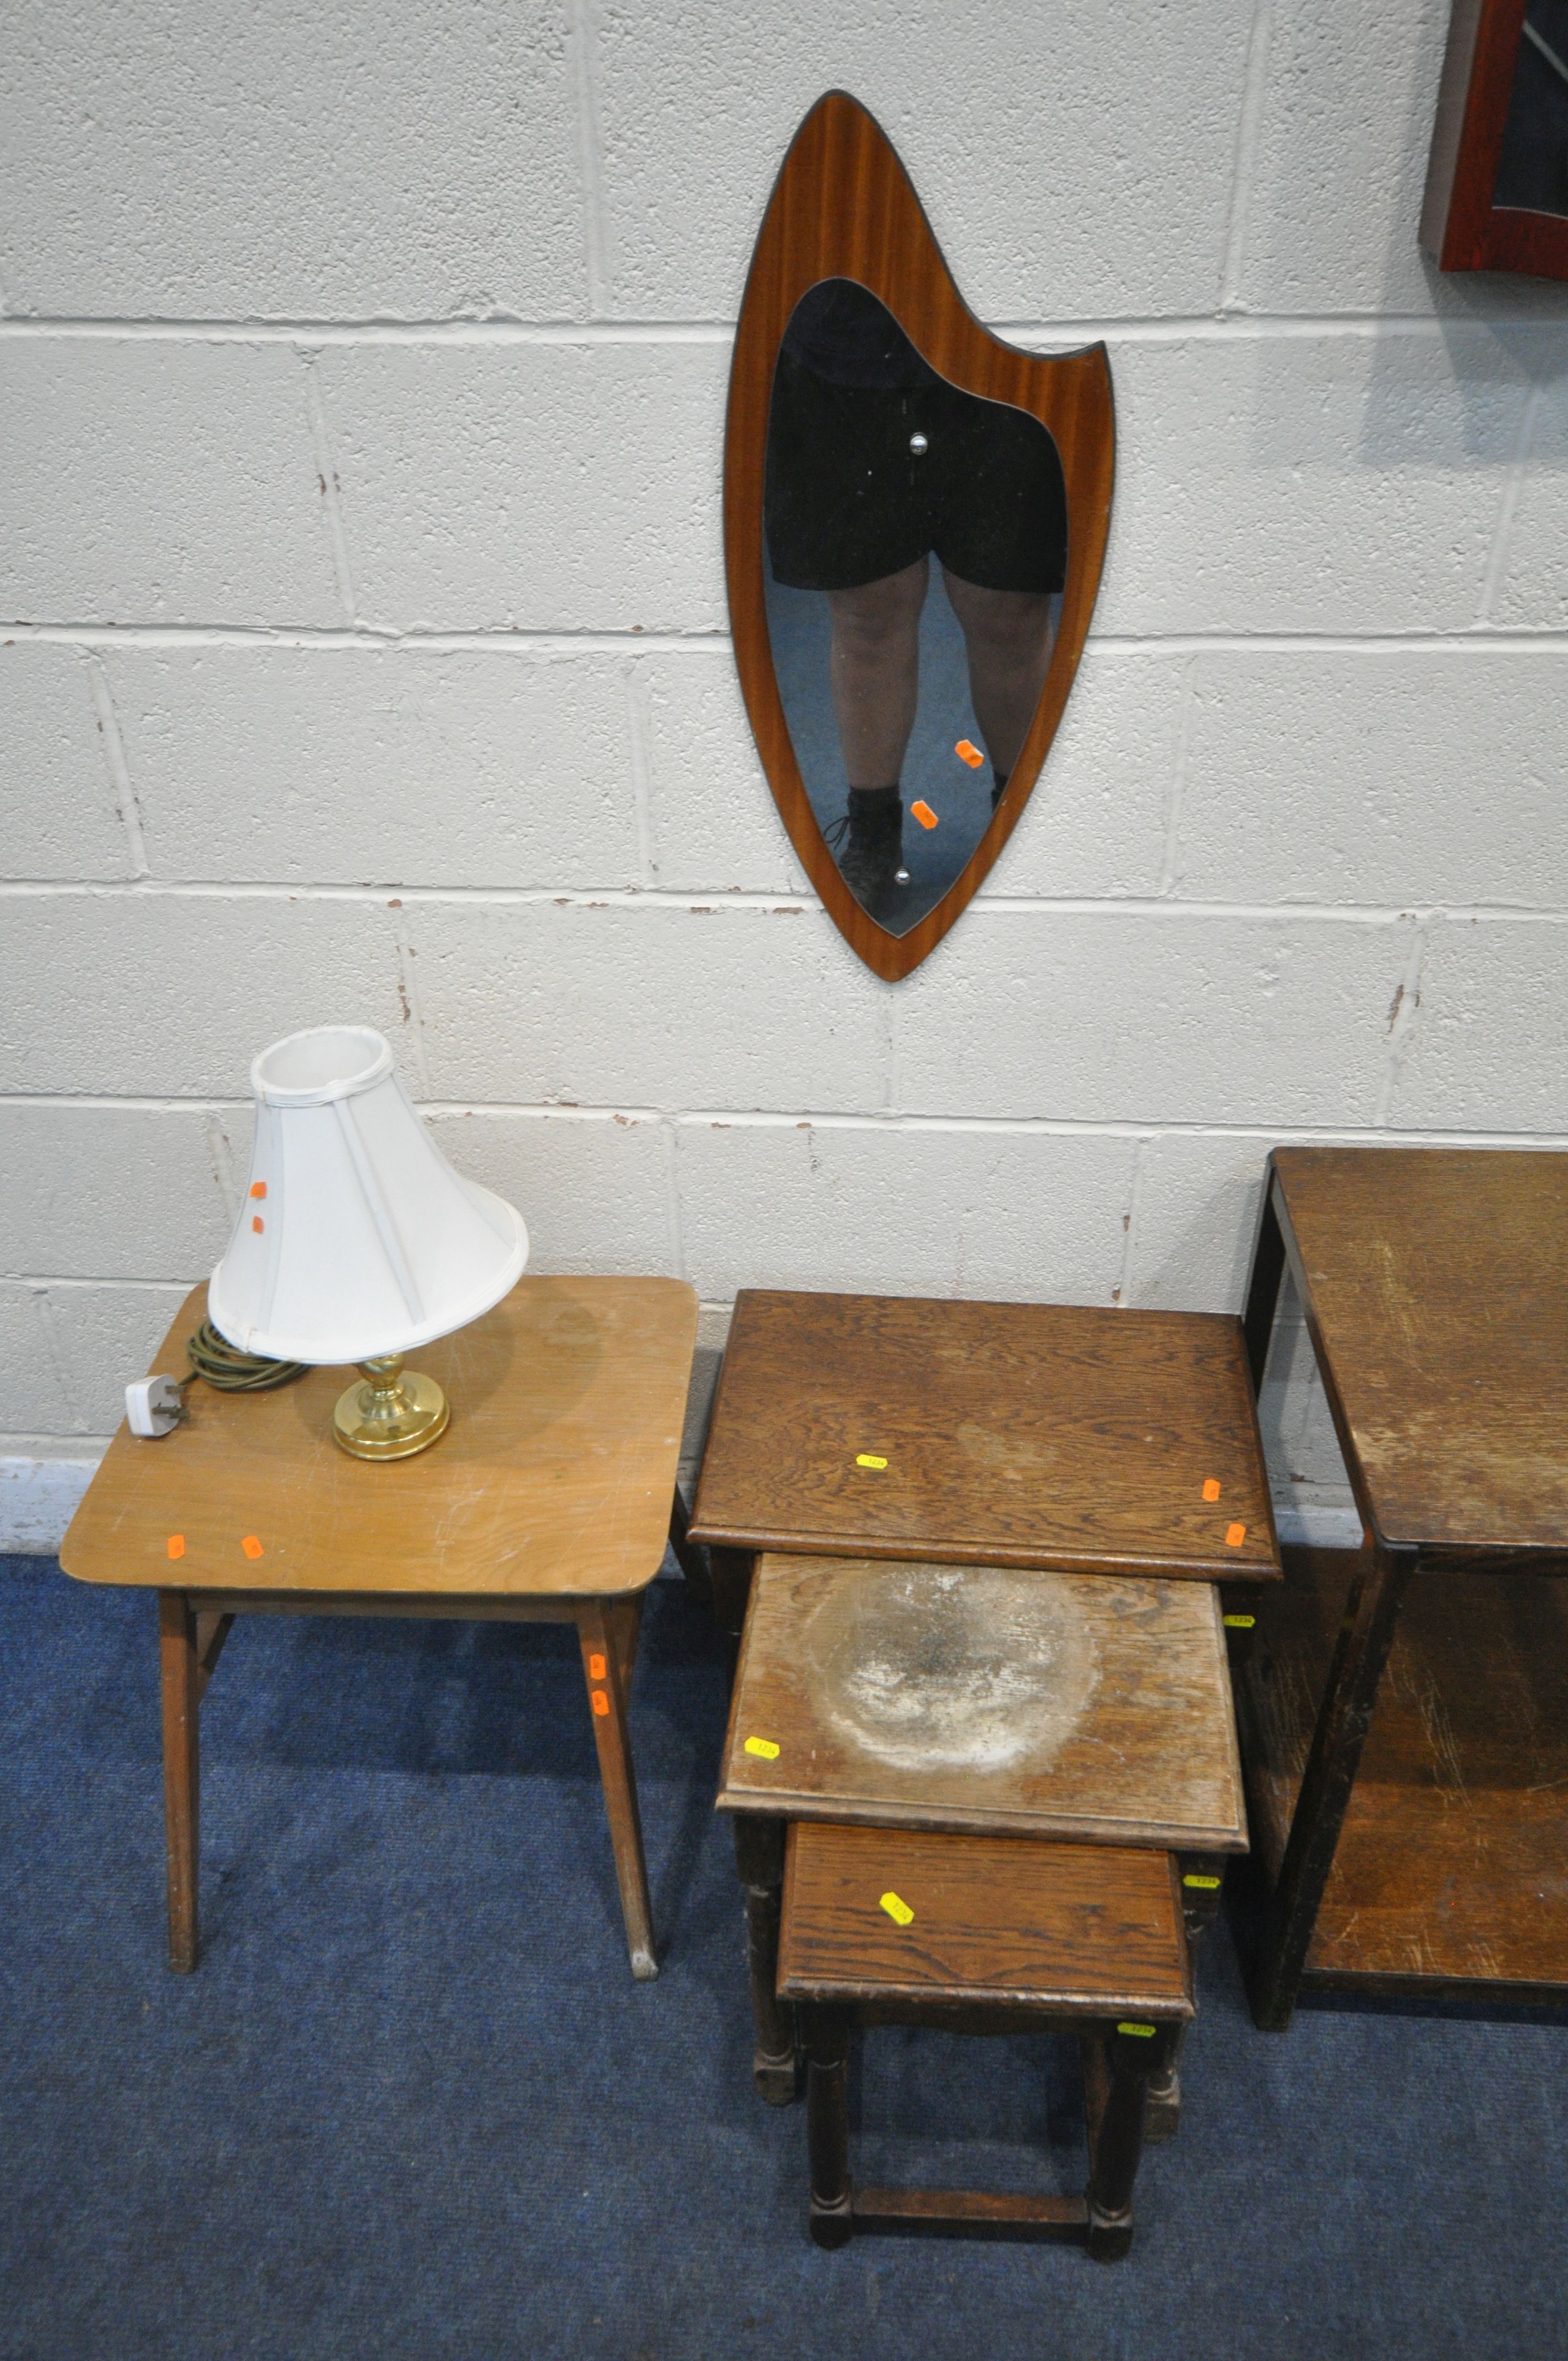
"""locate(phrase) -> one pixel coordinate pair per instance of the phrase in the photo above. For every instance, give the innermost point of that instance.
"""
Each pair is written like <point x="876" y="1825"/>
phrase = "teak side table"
<point x="548" y="1499"/>
<point x="1434" y="1284"/>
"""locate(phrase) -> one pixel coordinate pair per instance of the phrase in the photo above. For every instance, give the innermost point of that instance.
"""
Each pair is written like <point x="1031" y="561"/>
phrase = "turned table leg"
<point x="826" y="2039"/>
<point x="1119" y="2066"/>
<point x="607" y="1634"/>
<point x="759" y="1857"/>
<point x="182" y="1682"/>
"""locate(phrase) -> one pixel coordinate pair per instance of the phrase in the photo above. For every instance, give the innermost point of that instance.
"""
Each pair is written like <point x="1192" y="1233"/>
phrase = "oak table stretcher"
<point x="549" y="1498"/>
<point x="992" y="1935"/>
<point x="1434" y="1865"/>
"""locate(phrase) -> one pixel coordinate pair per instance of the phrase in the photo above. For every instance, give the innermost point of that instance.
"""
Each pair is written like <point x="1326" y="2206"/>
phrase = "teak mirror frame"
<point x="843" y="207"/>
<point x="1460" y="226"/>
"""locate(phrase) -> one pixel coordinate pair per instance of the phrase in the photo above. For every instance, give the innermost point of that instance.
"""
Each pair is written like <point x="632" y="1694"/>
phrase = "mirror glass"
<point x="1534" y="171"/>
<point x="916" y="548"/>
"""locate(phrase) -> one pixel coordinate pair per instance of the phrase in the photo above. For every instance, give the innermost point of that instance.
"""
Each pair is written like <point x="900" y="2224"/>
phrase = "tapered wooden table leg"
<point x="179" y="1668"/>
<point x="826" y="2035"/>
<point x="607" y="1634"/>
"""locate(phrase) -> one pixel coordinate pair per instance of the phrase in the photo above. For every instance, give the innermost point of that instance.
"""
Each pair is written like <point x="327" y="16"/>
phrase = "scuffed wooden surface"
<point x="980" y="1698"/>
<point x="1453" y="1858"/>
<point x="1038" y="1434"/>
<point x="1435" y="1282"/>
<point x="556" y="1475"/>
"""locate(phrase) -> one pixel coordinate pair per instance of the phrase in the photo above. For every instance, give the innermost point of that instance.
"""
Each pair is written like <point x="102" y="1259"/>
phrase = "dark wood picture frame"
<point x="843" y="207"/>
<point x="1460" y="226"/>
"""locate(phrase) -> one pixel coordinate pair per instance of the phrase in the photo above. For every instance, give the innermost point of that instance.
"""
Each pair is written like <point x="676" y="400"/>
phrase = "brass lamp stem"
<point x="395" y="1412"/>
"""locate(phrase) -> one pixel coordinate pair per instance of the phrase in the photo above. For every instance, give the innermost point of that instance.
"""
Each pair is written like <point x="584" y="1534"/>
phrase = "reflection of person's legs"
<point x="1008" y="635"/>
<point x="875" y="671"/>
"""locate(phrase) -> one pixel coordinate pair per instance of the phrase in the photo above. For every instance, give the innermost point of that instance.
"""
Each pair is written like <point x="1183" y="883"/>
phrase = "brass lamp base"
<point x="395" y="1414"/>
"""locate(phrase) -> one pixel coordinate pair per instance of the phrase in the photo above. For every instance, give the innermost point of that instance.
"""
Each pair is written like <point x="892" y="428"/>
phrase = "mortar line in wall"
<point x="118" y="768"/>
<point x="407" y="993"/>
<point x="1402" y="1020"/>
<point x="1180" y="327"/>
<point x="331" y="491"/>
<point x="1244" y="164"/>
<point x="1168" y="868"/>
<point x="769" y="904"/>
<point x="1121" y="1292"/>
<point x="42" y="1284"/>
<point x="674" y="1224"/>
<point x="583" y="47"/>
<point x="58" y="1359"/>
<point x="1472" y="639"/>
<point x="639" y="745"/>
<point x="1507" y="507"/>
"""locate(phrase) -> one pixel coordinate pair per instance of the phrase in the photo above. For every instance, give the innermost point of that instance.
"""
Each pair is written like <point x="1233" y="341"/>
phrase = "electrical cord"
<point x="231" y="1371"/>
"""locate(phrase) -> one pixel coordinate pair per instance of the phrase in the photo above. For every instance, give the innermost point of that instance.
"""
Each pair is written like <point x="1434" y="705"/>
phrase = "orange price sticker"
<point x="601" y="1703"/>
<point x="258" y="1188"/>
<point x="597" y="1668"/>
<point x="1235" y="1536"/>
<point x="923" y="814"/>
<point x="257" y="1223"/>
<point x="176" y="1545"/>
<point x="251" y="1546"/>
<point x="1210" y="1488"/>
<point x="969" y="753"/>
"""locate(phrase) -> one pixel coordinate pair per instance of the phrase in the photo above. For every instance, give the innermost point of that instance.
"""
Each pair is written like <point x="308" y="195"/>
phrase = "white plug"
<point x="154" y="1406"/>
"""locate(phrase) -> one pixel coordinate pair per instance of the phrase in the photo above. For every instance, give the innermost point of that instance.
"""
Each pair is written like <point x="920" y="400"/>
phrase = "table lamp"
<point x="357" y="1241"/>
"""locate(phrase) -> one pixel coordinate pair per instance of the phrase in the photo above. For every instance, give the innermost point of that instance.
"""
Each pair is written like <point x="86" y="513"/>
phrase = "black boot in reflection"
<point x="868" y="844"/>
<point x="999" y="790"/>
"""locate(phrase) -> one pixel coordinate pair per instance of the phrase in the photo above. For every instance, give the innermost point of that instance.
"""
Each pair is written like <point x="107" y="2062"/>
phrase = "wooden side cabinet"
<point x="1498" y="184"/>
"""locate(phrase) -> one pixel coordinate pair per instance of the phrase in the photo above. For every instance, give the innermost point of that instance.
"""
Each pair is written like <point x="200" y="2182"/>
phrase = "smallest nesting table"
<point x="549" y="1499"/>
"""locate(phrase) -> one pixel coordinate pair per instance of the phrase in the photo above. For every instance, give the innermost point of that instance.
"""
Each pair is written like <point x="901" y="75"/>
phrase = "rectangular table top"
<point x="1085" y="1930"/>
<point x="986" y="1698"/>
<point x="1039" y="1434"/>
<point x="1435" y="1286"/>
<point x="554" y="1477"/>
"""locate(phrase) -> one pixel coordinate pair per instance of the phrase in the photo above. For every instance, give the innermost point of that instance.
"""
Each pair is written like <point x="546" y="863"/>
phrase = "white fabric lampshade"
<point x="357" y="1237"/>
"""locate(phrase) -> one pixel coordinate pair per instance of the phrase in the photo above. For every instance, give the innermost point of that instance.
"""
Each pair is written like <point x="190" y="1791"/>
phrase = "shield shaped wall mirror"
<point x="915" y="521"/>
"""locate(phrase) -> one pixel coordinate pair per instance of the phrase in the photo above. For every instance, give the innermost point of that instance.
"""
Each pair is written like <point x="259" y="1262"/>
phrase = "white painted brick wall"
<point x="363" y="652"/>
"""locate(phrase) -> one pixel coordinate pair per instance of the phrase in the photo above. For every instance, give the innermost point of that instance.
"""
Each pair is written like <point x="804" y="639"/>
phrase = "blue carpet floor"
<point x="412" y="2104"/>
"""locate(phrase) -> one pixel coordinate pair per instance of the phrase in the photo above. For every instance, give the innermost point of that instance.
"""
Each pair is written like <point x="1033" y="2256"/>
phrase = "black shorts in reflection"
<point x="847" y="501"/>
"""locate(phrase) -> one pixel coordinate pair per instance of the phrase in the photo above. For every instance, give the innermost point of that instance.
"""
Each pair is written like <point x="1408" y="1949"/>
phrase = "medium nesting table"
<point x="1412" y="1829"/>
<point x="927" y="1485"/>
<point x="548" y="1499"/>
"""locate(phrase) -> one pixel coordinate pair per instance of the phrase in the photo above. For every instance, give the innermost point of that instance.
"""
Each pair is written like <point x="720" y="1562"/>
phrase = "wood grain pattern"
<point x="975" y="1699"/>
<point x="1075" y="1930"/>
<point x="843" y="207"/>
<point x="1451" y="1874"/>
<point x="1460" y="224"/>
<point x="1435" y="1286"/>
<point x="555" y="1475"/>
<point x="1015" y="1434"/>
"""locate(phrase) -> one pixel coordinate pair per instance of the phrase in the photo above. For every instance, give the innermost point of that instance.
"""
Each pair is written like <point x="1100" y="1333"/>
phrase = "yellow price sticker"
<point x="1144" y="2032"/>
<point x="1238" y="1622"/>
<point x="765" y="1747"/>
<point x="897" y="1909"/>
<point x="869" y="1459"/>
<point x="1208" y="1884"/>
